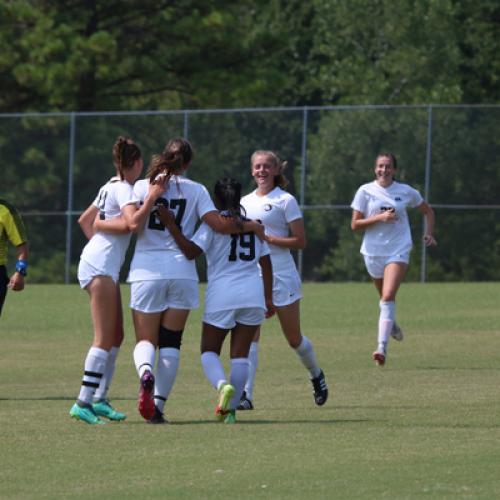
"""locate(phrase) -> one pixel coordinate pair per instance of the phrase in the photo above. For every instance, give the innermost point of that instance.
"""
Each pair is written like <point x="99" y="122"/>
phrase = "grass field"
<point x="427" y="425"/>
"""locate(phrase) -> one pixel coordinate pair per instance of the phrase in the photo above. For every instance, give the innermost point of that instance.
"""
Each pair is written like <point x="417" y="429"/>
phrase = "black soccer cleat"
<point x="158" y="417"/>
<point x="320" y="389"/>
<point x="245" y="403"/>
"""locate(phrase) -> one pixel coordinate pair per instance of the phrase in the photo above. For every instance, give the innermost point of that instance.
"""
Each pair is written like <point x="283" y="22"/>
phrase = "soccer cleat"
<point x="396" y="332"/>
<point x="245" y="403"/>
<point x="320" y="389"/>
<point x="225" y="394"/>
<point x="379" y="358"/>
<point x="146" y="403"/>
<point x="158" y="417"/>
<point x="230" y="417"/>
<point x="102" y="408"/>
<point x="85" y="414"/>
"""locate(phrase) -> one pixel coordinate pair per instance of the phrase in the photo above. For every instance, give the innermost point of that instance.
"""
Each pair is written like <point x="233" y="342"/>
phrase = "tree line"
<point x="64" y="56"/>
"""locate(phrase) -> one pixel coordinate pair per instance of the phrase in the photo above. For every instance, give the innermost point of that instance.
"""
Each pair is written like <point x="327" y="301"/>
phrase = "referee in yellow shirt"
<point x="12" y="229"/>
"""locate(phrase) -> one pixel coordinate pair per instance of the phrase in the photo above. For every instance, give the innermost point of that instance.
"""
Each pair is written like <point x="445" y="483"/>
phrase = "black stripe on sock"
<point x="160" y="397"/>
<point x="93" y="374"/>
<point x="90" y="384"/>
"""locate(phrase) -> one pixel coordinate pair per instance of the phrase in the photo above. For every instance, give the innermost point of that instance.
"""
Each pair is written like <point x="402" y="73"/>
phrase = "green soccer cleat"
<point x="85" y="413"/>
<point x="102" y="408"/>
<point x="225" y="394"/>
<point x="230" y="417"/>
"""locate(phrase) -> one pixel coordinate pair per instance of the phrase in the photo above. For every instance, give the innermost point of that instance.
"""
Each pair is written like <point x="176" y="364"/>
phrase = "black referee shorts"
<point x="4" y="281"/>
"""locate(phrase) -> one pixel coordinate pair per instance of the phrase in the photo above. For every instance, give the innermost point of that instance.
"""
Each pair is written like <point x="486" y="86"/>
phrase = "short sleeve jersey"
<point x="11" y="229"/>
<point x="386" y="238"/>
<point x="106" y="251"/>
<point x="275" y="210"/>
<point x="233" y="273"/>
<point x="156" y="255"/>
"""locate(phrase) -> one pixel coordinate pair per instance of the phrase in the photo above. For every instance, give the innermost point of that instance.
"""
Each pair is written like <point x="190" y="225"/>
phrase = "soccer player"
<point x="12" y="230"/>
<point x="237" y="297"/>
<point x="164" y="283"/>
<point x="98" y="273"/>
<point x="379" y="209"/>
<point x="280" y="214"/>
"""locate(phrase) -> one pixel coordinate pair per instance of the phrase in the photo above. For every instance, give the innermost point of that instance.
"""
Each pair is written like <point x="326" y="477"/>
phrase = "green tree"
<point x="109" y="55"/>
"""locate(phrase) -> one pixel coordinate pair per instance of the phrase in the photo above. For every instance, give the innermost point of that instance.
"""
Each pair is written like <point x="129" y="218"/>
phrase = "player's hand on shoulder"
<point x="158" y="185"/>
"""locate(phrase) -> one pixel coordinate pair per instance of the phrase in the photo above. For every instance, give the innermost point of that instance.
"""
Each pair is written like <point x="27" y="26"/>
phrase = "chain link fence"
<point x="53" y="165"/>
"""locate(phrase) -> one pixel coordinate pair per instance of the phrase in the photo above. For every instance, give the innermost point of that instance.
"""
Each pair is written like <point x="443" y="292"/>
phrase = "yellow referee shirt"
<point x="11" y="229"/>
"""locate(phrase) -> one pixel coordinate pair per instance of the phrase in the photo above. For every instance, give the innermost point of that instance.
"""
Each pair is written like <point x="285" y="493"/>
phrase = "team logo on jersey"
<point x="397" y="198"/>
<point x="268" y="207"/>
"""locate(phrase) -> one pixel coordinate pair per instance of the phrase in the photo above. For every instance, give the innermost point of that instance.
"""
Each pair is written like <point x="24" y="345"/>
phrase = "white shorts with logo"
<point x="87" y="272"/>
<point x="376" y="265"/>
<point x="287" y="288"/>
<point x="227" y="320"/>
<point x="152" y="296"/>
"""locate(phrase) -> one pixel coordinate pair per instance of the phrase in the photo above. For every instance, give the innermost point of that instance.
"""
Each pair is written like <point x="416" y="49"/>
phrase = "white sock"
<point x="95" y="364"/>
<point x="102" y="390"/>
<point x="166" y="373"/>
<point x="385" y="323"/>
<point x="144" y="356"/>
<point x="306" y="354"/>
<point x="213" y="369"/>
<point x="239" y="374"/>
<point x="253" y="359"/>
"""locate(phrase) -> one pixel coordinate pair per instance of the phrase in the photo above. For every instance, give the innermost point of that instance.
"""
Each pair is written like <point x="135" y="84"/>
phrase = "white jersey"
<point x="157" y="256"/>
<point x="386" y="238"/>
<point x="275" y="210"/>
<point x="233" y="272"/>
<point x="105" y="251"/>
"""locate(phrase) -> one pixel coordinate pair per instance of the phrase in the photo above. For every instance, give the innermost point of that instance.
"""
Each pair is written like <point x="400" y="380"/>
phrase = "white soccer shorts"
<point x="376" y="265"/>
<point x="154" y="296"/>
<point x="253" y="316"/>
<point x="87" y="272"/>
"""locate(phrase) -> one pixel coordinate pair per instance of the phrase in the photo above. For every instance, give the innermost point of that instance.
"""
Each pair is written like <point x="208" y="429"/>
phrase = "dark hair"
<point x="279" y="180"/>
<point x="227" y="193"/>
<point x="387" y="154"/>
<point x="175" y="156"/>
<point x="125" y="153"/>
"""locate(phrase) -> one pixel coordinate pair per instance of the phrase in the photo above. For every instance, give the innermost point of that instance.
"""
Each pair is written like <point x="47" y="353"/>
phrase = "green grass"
<point x="427" y="425"/>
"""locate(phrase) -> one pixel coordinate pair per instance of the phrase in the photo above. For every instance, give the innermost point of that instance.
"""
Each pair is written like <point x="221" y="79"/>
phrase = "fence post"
<point x="186" y="125"/>
<point x="70" y="197"/>
<point x="423" y="260"/>
<point x="303" y="178"/>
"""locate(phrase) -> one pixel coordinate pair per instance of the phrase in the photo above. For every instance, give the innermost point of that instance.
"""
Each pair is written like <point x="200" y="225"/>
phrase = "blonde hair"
<point x="279" y="180"/>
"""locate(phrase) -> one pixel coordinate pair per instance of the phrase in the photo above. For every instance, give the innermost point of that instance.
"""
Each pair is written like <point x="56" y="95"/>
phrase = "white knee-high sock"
<point x="95" y="364"/>
<point x="253" y="359"/>
<point x="144" y="356"/>
<point x="239" y="374"/>
<point x="213" y="369"/>
<point x="385" y="322"/>
<point x="102" y="390"/>
<point x="306" y="354"/>
<point x="166" y="373"/>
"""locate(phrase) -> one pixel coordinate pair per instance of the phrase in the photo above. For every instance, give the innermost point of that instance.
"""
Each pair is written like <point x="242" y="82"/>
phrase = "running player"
<point x="281" y="216"/>
<point x="379" y="209"/>
<point x="12" y="230"/>
<point x="164" y="283"/>
<point x="237" y="298"/>
<point x="98" y="274"/>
